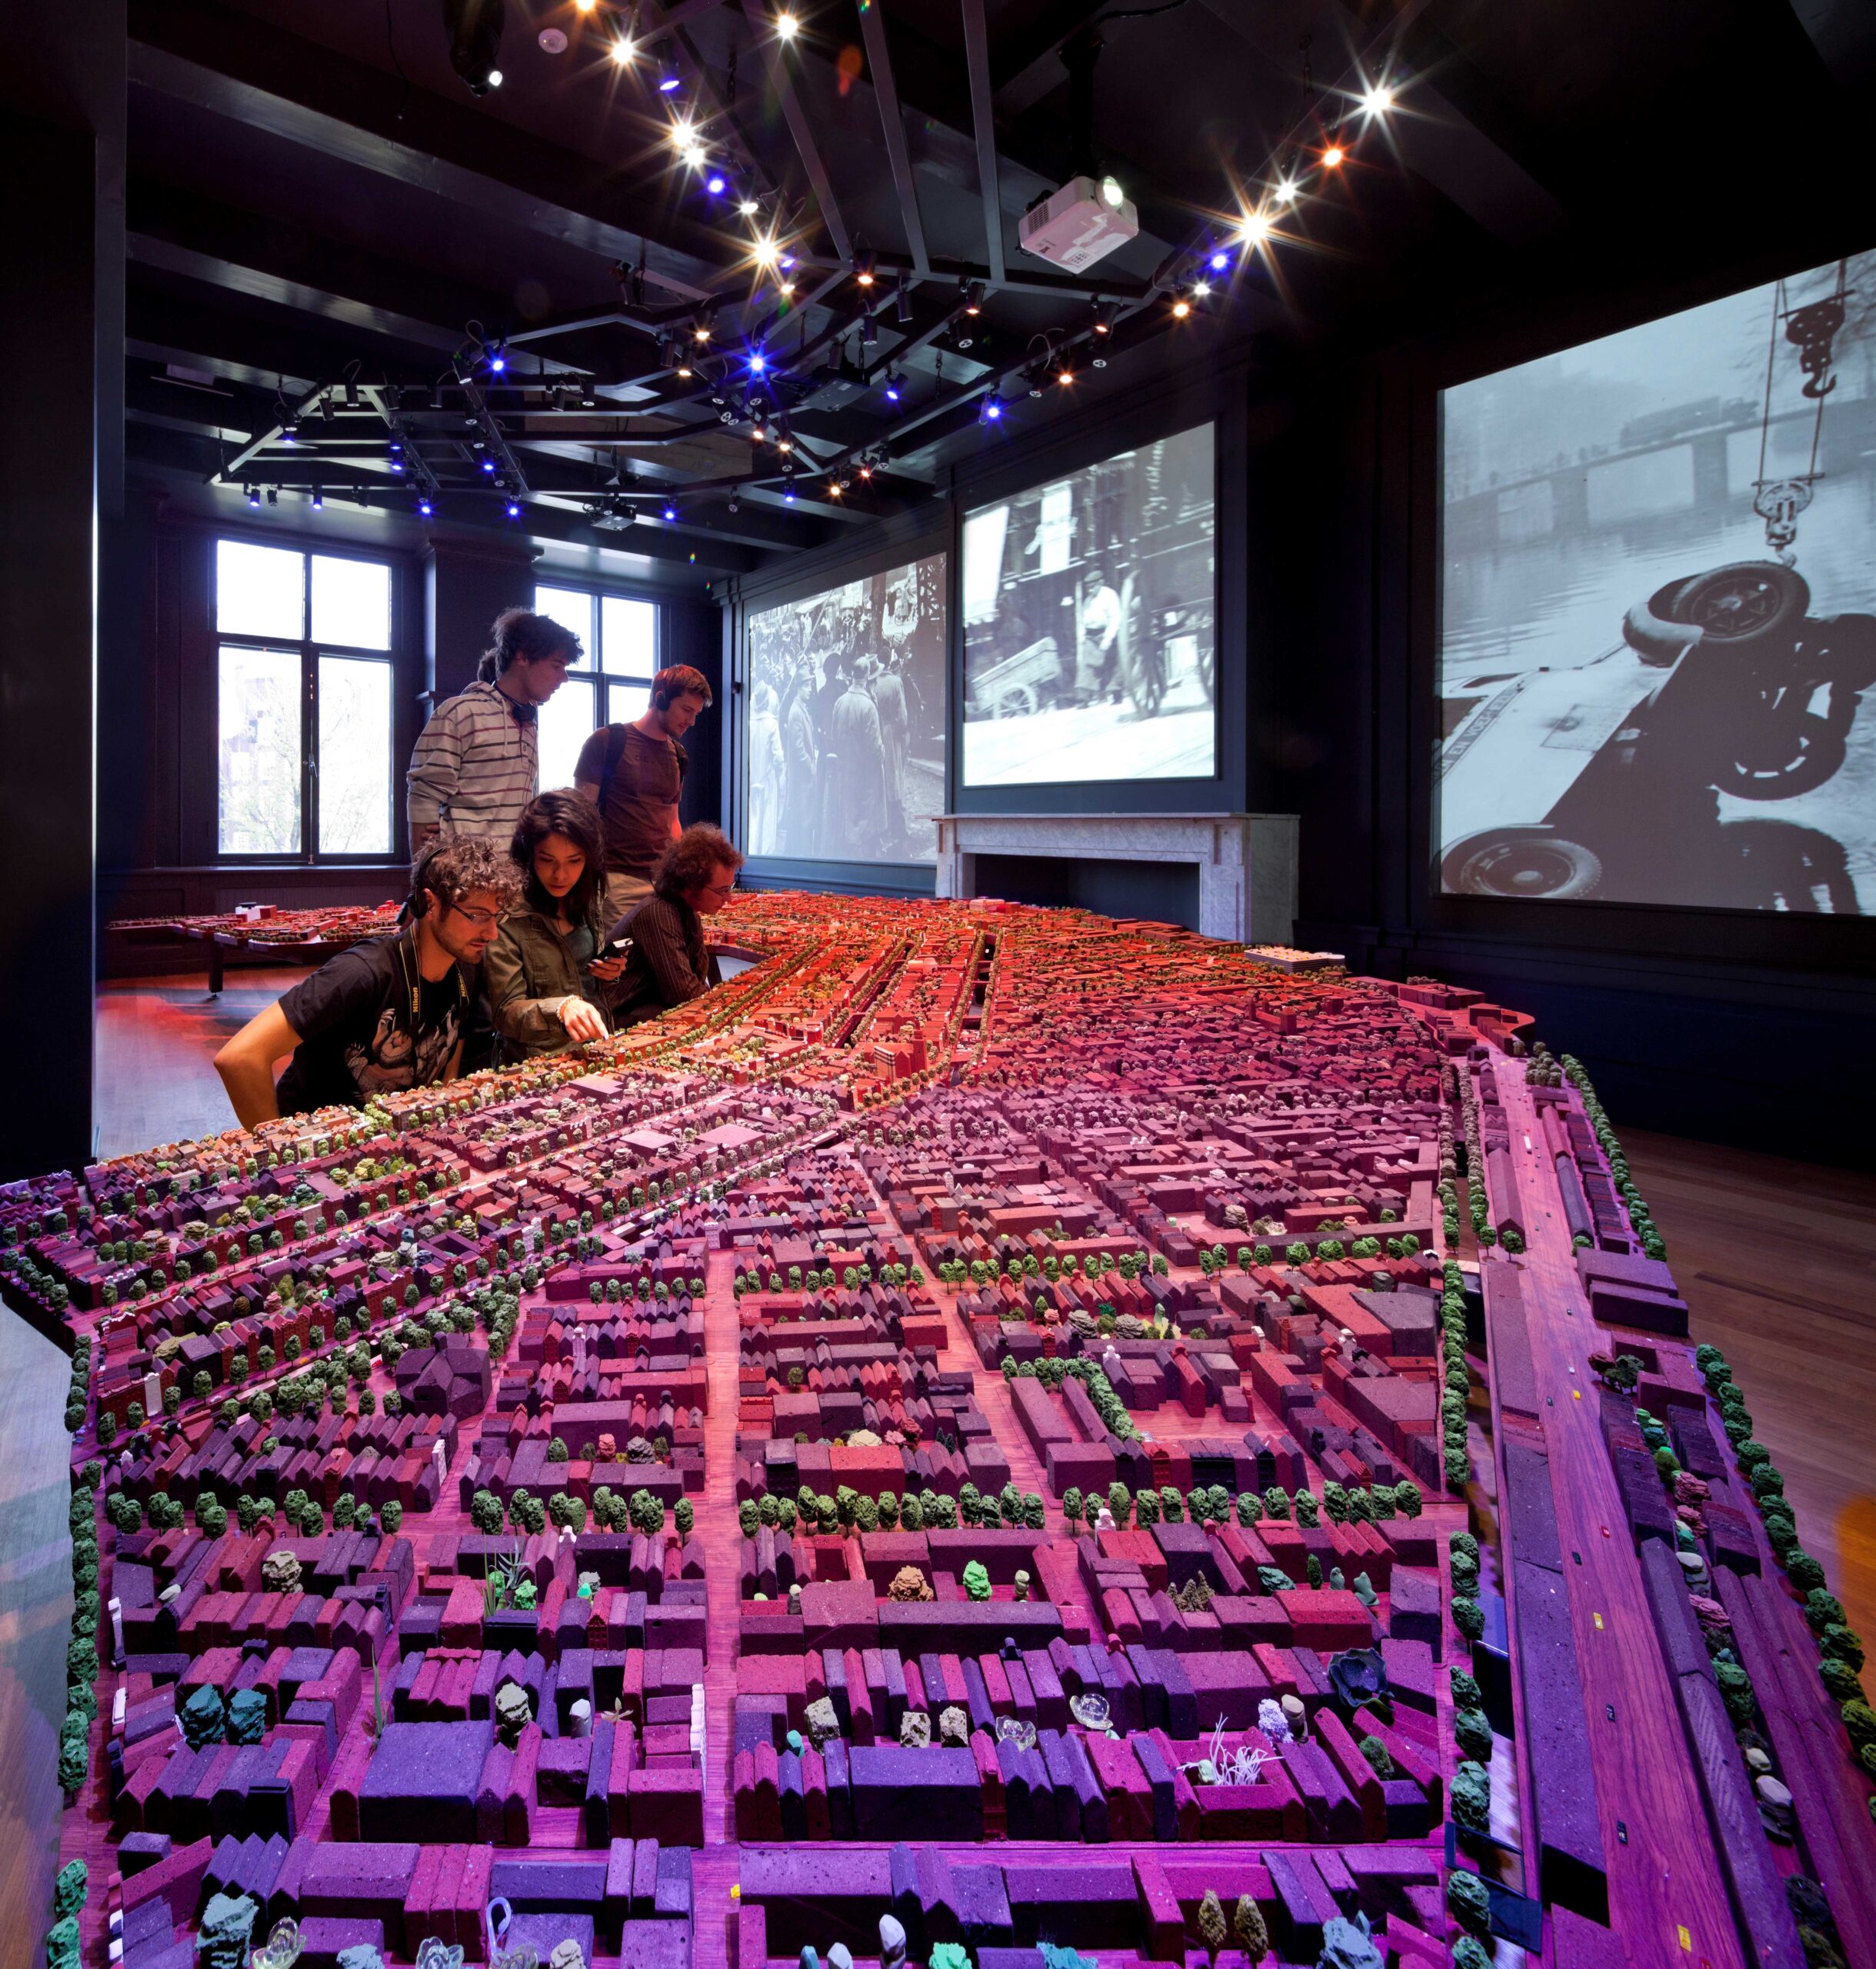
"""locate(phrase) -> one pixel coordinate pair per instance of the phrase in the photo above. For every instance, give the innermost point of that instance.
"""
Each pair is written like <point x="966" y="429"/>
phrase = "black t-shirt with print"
<point x="353" y="1016"/>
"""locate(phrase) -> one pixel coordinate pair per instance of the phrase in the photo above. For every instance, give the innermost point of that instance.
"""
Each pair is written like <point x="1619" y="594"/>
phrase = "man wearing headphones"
<point x="381" y="1016"/>
<point x="634" y="773"/>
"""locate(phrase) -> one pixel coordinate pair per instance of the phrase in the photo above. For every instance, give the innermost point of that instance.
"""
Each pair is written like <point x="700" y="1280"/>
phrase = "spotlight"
<point x="273" y="495"/>
<point x="716" y="185"/>
<point x="685" y="370"/>
<point x="1256" y="227"/>
<point x="748" y="207"/>
<point x="498" y="358"/>
<point x="786" y="261"/>
<point x="1377" y="99"/>
<point x="622" y="51"/>
<point x="1104" y="312"/>
<point x="253" y="495"/>
<point x="669" y="82"/>
<point x="1219" y="260"/>
<point x="318" y="500"/>
<point x="1111" y="193"/>
<point x="488" y="464"/>
<point x="1064" y="370"/>
<point x="787" y="26"/>
<point x="475" y="30"/>
<point x="683" y="134"/>
<point x="786" y="289"/>
<point x="863" y="269"/>
<point x="902" y="302"/>
<point x="1332" y="158"/>
<point x="1199" y="289"/>
<point x="583" y="6"/>
<point x="700" y="330"/>
<point x="834" y="490"/>
<point x="1181" y="305"/>
<point x="1286" y="189"/>
<point x="759" y="363"/>
<point x="990" y="412"/>
<point x="397" y="464"/>
<point x="893" y="385"/>
<point x="425" y="509"/>
<point x="734" y="504"/>
<point x="671" y="513"/>
<point x="866" y="471"/>
<point x="764" y="252"/>
<point x="758" y="433"/>
<point x="290" y="432"/>
<point x="869" y="331"/>
<point x="787" y="495"/>
<point x="973" y="292"/>
<point x="514" y="509"/>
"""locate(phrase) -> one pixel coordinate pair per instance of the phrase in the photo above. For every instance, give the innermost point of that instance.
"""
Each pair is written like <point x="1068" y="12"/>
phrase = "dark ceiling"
<point x="330" y="237"/>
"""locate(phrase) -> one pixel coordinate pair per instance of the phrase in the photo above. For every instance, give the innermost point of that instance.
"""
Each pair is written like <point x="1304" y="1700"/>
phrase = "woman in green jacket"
<point x="551" y="979"/>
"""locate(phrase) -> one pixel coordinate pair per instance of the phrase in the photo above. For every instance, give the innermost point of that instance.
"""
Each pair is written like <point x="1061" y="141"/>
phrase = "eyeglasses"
<point x="483" y="919"/>
<point x="719" y="889"/>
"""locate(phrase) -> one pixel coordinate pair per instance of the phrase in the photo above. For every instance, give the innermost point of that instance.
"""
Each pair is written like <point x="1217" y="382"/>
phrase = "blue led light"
<point x="425" y="507"/>
<point x="759" y="363"/>
<point x="670" y="83"/>
<point x="488" y="464"/>
<point x="1219" y="260"/>
<point x="717" y="185"/>
<point x="670" y="512"/>
<point x="514" y="509"/>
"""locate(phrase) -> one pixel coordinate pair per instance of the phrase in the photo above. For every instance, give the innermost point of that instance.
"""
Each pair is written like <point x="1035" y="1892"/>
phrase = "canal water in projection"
<point x="1658" y="611"/>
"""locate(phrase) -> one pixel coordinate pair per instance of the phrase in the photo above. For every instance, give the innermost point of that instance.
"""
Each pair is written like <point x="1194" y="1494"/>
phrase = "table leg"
<point x="215" y="970"/>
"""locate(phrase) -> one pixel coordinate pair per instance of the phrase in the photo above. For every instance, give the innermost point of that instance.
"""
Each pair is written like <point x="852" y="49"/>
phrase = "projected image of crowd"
<point x="846" y="732"/>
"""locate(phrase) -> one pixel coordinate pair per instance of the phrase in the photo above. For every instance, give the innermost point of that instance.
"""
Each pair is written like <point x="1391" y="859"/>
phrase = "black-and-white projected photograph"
<point x="846" y="720"/>
<point x="1658" y="611"/>
<point x="1089" y="624"/>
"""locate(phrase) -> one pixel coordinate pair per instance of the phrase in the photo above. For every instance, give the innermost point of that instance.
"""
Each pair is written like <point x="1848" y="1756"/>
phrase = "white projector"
<point x="1083" y="223"/>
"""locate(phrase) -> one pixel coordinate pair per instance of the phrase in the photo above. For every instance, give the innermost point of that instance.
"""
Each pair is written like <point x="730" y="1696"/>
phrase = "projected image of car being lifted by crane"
<point x="1658" y="611"/>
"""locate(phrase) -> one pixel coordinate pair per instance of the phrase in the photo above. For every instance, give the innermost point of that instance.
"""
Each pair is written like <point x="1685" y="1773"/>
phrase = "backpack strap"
<point x="615" y="750"/>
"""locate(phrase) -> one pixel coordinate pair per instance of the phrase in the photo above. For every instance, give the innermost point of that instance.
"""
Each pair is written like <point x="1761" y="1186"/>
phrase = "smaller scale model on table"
<point x="295" y="936"/>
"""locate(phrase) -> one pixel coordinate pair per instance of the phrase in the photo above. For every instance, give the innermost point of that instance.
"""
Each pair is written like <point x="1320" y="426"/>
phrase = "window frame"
<point x="309" y="651"/>
<point x="592" y="674"/>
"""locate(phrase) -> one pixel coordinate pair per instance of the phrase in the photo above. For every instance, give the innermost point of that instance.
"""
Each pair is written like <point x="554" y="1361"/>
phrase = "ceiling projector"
<point x="1082" y="223"/>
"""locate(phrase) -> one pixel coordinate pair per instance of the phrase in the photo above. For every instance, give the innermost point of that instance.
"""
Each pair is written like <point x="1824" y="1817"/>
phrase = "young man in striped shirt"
<point x="477" y="764"/>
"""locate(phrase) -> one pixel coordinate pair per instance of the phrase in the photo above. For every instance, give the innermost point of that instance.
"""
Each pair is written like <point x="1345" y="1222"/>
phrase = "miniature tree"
<point x="1247" y="1925"/>
<point x="1213" y="1930"/>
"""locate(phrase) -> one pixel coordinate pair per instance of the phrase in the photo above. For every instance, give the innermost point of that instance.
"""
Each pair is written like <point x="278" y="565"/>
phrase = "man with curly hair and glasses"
<point x="668" y="963"/>
<point x="380" y="1017"/>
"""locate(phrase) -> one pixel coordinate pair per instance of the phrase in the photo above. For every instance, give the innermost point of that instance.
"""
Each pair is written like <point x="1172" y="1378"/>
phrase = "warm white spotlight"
<point x="1286" y="189"/>
<point x="1377" y="99"/>
<point x="748" y="207"/>
<point x="684" y="134"/>
<point x="1332" y="158"/>
<point x="765" y="252"/>
<point x="622" y="50"/>
<point x="787" y="26"/>
<point x="1254" y="230"/>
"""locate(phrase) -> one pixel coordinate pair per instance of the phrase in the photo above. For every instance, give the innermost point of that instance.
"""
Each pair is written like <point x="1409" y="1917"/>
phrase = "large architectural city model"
<point x="995" y="1438"/>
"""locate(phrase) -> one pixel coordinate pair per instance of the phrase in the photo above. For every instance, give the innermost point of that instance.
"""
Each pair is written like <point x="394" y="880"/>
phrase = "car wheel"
<point x="1797" y="755"/>
<point x="1741" y="603"/>
<point x="1521" y="861"/>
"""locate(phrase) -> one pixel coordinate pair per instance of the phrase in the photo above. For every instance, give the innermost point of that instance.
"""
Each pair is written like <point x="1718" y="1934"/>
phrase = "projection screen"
<point x="1089" y="624"/>
<point x="1658" y="611"/>
<point x="846" y="720"/>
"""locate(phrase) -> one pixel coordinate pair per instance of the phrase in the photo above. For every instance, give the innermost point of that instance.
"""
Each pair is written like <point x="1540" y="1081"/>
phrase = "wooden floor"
<point x="1777" y="1262"/>
<point x="36" y="1613"/>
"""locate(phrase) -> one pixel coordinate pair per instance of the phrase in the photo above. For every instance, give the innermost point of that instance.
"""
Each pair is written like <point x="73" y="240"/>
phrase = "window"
<point x="611" y="685"/>
<point x="304" y="720"/>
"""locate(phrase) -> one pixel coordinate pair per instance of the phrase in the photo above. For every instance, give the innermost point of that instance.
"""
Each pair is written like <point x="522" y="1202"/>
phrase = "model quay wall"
<point x="996" y="1436"/>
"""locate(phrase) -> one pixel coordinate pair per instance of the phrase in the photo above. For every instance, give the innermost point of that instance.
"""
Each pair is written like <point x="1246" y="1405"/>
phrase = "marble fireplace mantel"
<point x="1246" y="862"/>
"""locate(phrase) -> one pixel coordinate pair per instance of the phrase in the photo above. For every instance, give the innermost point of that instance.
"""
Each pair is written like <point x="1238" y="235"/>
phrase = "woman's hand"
<point x="608" y="970"/>
<point x="582" y="1020"/>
